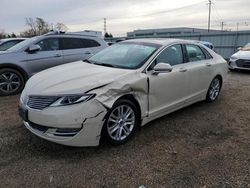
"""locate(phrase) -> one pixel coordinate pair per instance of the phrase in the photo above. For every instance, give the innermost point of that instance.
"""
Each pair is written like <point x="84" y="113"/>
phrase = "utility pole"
<point x="105" y="25"/>
<point x="209" y="14"/>
<point x="222" y="26"/>
<point x="237" y="26"/>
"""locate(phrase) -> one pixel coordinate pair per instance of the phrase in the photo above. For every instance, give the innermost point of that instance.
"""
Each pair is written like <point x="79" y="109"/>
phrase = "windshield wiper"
<point x="87" y="61"/>
<point x="105" y="64"/>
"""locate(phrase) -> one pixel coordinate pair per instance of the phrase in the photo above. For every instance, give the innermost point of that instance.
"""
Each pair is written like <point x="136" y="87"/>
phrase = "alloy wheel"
<point x="121" y="122"/>
<point x="214" y="89"/>
<point x="9" y="82"/>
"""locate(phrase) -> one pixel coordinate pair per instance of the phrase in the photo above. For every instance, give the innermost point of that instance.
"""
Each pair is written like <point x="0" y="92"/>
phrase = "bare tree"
<point x="36" y="26"/>
<point x="61" y="27"/>
<point x="2" y="34"/>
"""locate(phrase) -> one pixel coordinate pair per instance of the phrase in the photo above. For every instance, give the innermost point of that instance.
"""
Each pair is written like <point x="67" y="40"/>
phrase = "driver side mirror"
<point x="162" y="68"/>
<point x="240" y="48"/>
<point x="33" y="48"/>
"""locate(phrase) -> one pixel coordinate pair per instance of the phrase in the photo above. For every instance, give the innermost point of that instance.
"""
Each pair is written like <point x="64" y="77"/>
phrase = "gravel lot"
<point x="204" y="145"/>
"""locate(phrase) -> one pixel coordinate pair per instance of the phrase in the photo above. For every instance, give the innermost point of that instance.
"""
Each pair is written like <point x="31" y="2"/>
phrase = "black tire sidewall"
<point x="105" y="135"/>
<point x="22" y="81"/>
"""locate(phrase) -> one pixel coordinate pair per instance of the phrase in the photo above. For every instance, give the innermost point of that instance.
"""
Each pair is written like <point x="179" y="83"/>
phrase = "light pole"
<point x="209" y="15"/>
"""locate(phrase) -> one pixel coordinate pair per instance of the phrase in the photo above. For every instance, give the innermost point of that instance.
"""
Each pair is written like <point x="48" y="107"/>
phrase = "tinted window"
<point x="194" y="53"/>
<point x="76" y="43"/>
<point x="172" y="55"/>
<point x="49" y="44"/>
<point x="88" y="43"/>
<point x="72" y="43"/>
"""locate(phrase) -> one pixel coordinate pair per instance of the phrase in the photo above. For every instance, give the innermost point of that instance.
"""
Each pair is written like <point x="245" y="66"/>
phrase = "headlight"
<point x="233" y="58"/>
<point x="72" y="99"/>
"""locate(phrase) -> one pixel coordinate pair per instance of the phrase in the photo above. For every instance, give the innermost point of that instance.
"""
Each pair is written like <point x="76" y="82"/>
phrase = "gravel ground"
<point x="204" y="145"/>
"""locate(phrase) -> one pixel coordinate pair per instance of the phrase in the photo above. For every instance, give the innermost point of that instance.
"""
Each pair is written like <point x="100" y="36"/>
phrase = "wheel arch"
<point x="17" y="68"/>
<point x="220" y="77"/>
<point x="133" y="99"/>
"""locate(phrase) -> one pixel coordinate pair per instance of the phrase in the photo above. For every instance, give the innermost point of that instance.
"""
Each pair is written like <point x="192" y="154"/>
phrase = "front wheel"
<point x="121" y="122"/>
<point x="214" y="89"/>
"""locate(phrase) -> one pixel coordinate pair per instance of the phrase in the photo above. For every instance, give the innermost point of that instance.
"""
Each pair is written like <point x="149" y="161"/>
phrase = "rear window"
<point x="76" y="43"/>
<point x="207" y="54"/>
<point x="194" y="53"/>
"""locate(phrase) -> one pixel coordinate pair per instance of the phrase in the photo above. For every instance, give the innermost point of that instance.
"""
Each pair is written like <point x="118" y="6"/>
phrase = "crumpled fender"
<point x="135" y="84"/>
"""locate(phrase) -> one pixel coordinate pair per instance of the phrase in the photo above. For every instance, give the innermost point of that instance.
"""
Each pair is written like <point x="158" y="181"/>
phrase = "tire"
<point x="11" y="82"/>
<point x="115" y="127"/>
<point x="214" y="89"/>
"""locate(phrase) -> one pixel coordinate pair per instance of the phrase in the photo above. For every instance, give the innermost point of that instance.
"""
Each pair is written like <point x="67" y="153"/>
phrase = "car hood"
<point x="77" y="77"/>
<point x="242" y="54"/>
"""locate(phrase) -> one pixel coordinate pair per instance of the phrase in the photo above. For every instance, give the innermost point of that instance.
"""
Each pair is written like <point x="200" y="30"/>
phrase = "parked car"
<point x="119" y="89"/>
<point x="241" y="59"/>
<point x="7" y="43"/>
<point x="207" y="44"/>
<point x="29" y="57"/>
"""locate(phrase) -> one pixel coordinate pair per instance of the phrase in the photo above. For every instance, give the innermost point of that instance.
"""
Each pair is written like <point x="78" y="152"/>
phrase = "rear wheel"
<point x="214" y="89"/>
<point x="121" y="122"/>
<point x="11" y="82"/>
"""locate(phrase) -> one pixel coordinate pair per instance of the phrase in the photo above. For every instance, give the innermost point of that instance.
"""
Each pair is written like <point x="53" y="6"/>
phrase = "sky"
<point x="125" y="15"/>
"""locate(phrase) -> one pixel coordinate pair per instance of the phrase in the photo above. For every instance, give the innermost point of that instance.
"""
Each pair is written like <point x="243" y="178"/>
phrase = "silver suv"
<point x="27" y="58"/>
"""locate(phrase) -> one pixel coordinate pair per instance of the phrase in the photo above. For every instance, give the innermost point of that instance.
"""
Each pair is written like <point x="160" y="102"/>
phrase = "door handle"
<point x="183" y="70"/>
<point x="58" y="55"/>
<point x="208" y="64"/>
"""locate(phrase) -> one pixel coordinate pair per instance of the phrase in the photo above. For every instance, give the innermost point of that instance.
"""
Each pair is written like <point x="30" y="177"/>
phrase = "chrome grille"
<point x="40" y="102"/>
<point x="243" y="63"/>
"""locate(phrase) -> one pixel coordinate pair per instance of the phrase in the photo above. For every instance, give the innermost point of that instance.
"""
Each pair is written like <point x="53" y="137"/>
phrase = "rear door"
<point x="199" y="65"/>
<point x="75" y="49"/>
<point x="49" y="55"/>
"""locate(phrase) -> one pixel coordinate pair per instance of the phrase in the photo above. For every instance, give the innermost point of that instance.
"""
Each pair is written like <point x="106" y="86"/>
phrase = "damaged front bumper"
<point x="75" y="125"/>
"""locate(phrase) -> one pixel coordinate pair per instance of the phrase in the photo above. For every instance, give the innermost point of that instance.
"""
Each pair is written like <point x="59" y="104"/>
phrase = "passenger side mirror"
<point x="162" y="68"/>
<point x="33" y="48"/>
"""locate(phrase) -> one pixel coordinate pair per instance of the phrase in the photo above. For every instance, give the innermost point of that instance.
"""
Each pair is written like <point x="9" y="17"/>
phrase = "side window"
<point x="194" y="53"/>
<point x="72" y="43"/>
<point x="207" y="54"/>
<point x="8" y="45"/>
<point x="89" y="43"/>
<point x="49" y="44"/>
<point x="172" y="55"/>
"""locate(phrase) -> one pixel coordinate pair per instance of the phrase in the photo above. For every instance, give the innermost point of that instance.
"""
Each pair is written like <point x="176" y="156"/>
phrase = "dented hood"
<point x="77" y="77"/>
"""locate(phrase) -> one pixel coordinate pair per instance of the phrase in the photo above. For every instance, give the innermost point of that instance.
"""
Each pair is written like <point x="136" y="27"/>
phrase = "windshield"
<point x="22" y="44"/>
<point x="246" y="47"/>
<point x="124" y="55"/>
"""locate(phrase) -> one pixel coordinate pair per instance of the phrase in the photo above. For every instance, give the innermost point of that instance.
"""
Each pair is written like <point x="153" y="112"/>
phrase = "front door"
<point x="167" y="91"/>
<point x="48" y="56"/>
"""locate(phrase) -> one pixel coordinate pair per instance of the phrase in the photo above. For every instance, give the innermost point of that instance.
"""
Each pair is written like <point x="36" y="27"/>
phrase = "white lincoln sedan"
<point x="119" y="89"/>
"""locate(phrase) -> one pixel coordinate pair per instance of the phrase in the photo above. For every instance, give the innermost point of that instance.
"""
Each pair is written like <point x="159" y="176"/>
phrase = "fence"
<point x="225" y="43"/>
